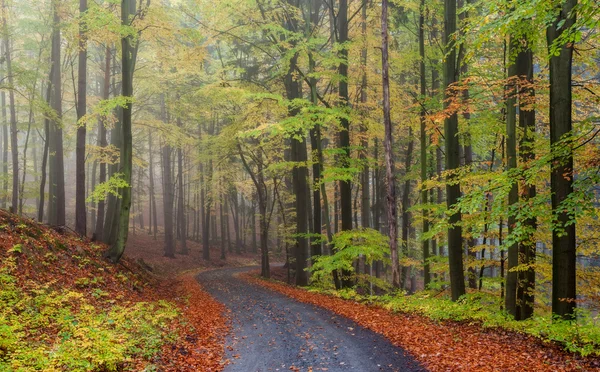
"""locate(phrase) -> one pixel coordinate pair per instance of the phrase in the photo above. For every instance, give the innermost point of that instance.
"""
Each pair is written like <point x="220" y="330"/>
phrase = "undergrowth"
<point x="43" y="327"/>
<point x="580" y="336"/>
<point x="64" y="308"/>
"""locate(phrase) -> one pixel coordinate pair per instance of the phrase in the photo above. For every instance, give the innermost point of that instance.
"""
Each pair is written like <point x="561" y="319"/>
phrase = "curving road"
<point x="272" y="332"/>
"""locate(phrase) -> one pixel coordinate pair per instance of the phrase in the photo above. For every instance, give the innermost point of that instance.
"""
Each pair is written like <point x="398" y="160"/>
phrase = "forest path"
<point x="272" y="332"/>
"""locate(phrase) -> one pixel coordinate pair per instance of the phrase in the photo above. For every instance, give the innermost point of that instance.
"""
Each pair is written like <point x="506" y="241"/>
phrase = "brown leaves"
<point x="447" y="346"/>
<point x="200" y="345"/>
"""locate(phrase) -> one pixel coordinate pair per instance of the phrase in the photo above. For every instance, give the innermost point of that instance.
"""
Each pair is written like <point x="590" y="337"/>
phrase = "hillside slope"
<point x="62" y="307"/>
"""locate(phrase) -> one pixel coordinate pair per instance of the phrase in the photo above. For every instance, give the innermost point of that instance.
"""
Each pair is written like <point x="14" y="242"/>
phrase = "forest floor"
<point x="441" y="346"/>
<point x="271" y="332"/>
<point x="148" y="252"/>
<point x="63" y="307"/>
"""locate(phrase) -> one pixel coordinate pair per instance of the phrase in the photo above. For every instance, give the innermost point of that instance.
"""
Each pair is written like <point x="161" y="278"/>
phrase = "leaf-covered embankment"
<point x="62" y="307"/>
<point x="445" y="346"/>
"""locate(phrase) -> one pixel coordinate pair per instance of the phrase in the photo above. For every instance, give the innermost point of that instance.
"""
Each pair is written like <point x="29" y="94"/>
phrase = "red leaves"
<point x="200" y="345"/>
<point x="447" y="346"/>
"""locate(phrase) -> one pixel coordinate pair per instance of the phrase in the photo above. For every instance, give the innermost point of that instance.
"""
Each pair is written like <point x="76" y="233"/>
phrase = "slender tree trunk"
<point x="153" y="217"/>
<point x="56" y="210"/>
<point x="510" y="300"/>
<point x="4" y="142"/>
<point x="207" y="218"/>
<point x="423" y="138"/>
<point x="182" y="224"/>
<point x="14" y="144"/>
<point x="365" y="211"/>
<point x="168" y="202"/>
<point x="455" y="247"/>
<point x="102" y="143"/>
<point x="126" y="164"/>
<point x="44" y="166"/>
<point x="564" y="255"/>
<point x="80" y="207"/>
<point x="222" y="227"/>
<point x="253" y="230"/>
<point x="112" y="202"/>
<point x="344" y="134"/>
<point x="139" y="194"/>
<point x="527" y="251"/>
<point x="406" y="215"/>
<point x="389" y="155"/>
<point x="235" y="213"/>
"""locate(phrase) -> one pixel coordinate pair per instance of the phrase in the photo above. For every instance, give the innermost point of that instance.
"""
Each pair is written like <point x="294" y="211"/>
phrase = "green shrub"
<point x="349" y="246"/>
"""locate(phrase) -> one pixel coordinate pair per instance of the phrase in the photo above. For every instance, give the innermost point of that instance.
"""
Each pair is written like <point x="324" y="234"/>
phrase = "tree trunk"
<point x="5" y="143"/>
<point x="80" y="207"/>
<point x="112" y="202"/>
<point x="153" y="217"/>
<point x="168" y="202"/>
<point x="389" y="155"/>
<point x="423" y="140"/>
<point x="126" y="164"/>
<point x="181" y="217"/>
<point x="102" y="143"/>
<point x="56" y="210"/>
<point x="406" y="215"/>
<point x="344" y="134"/>
<point x="14" y="144"/>
<point x="222" y="227"/>
<point x="527" y="249"/>
<point x="510" y="299"/>
<point x="564" y="255"/>
<point x="207" y="218"/>
<point x="455" y="247"/>
<point x="44" y="166"/>
<point x="139" y="194"/>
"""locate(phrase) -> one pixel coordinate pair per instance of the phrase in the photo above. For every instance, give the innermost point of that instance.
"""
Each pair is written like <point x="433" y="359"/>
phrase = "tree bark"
<point x="527" y="249"/>
<point x="344" y="134"/>
<point x="168" y="202"/>
<point x="406" y="215"/>
<point x="102" y="143"/>
<point x="510" y="299"/>
<point x="153" y="217"/>
<point x="388" y="145"/>
<point x="365" y="211"/>
<point x="56" y="210"/>
<point x="423" y="140"/>
<point x="80" y="207"/>
<point x="4" y="143"/>
<point x="564" y="255"/>
<point x="126" y="164"/>
<point x="14" y="144"/>
<point x="44" y="166"/>
<point x="182" y="224"/>
<point x="455" y="247"/>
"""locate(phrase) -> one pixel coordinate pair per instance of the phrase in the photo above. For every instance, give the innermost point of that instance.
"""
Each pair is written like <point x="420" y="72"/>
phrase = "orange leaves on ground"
<point x="201" y="333"/>
<point x="446" y="346"/>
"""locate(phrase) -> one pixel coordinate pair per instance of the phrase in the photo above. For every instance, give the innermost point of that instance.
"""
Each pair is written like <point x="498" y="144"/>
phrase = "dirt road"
<point x="272" y="332"/>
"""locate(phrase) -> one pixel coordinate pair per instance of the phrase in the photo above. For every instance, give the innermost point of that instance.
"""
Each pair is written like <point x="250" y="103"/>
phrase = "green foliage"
<point x="111" y="186"/>
<point x="83" y="336"/>
<point x="349" y="246"/>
